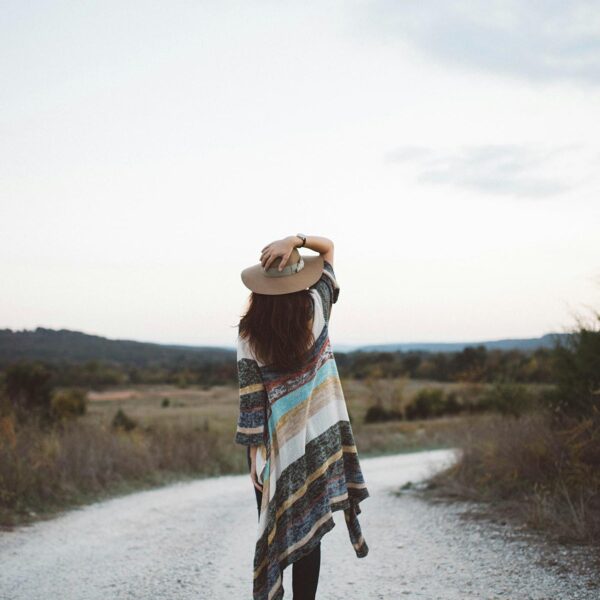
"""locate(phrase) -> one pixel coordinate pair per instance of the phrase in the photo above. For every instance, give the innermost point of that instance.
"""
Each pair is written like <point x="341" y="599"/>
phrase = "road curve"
<point x="195" y="541"/>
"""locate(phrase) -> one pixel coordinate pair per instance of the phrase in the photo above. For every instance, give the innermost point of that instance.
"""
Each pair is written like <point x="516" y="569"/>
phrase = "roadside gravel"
<point x="195" y="541"/>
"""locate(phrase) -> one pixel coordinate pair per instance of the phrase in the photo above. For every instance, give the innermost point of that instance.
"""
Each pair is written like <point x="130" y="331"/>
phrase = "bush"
<point x="428" y="402"/>
<point x="122" y="420"/>
<point x="544" y="466"/>
<point x="44" y="469"/>
<point x="378" y="414"/>
<point x="384" y="394"/>
<point x="452" y="406"/>
<point x="508" y="398"/>
<point x="28" y="388"/>
<point x="548" y="475"/>
<point x="68" y="403"/>
<point x="576" y="363"/>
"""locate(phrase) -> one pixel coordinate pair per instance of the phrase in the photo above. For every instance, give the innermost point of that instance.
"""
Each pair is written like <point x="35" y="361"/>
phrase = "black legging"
<point x="305" y="572"/>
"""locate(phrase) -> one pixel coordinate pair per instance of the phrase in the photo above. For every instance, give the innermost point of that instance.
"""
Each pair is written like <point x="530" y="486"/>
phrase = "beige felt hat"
<point x="299" y="273"/>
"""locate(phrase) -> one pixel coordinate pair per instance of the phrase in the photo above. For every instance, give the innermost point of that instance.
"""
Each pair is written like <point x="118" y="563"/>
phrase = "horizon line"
<point x="338" y="344"/>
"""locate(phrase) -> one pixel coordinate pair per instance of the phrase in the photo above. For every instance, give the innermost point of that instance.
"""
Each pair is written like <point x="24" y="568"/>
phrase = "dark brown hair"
<point x="276" y="327"/>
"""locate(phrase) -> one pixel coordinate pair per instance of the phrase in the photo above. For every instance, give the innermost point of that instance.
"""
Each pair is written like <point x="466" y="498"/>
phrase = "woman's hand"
<point x="253" y="474"/>
<point x="277" y="248"/>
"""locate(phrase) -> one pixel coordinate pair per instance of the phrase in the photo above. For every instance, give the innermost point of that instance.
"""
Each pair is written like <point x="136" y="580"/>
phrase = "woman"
<point x="293" y="417"/>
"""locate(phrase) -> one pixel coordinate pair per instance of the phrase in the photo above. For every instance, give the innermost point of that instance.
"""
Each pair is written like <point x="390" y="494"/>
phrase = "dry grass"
<point x="375" y="439"/>
<point x="191" y="407"/>
<point x="396" y="394"/>
<point x="45" y="471"/>
<point x="217" y="409"/>
<point x="545" y="476"/>
<point x="85" y="460"/>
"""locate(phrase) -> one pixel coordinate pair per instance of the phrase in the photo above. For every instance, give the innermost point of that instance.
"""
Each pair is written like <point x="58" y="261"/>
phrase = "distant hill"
<point x="64" y="345"/>
<point x="523" y="344"/>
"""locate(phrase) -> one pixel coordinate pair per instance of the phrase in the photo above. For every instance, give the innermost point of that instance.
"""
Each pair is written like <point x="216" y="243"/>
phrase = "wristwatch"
<point x="303" y="238"/>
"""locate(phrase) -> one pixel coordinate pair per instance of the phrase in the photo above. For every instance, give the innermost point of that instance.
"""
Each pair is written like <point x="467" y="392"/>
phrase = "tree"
<point x="576" y="365"/>
<point x="28" y="388"/>
<point x="68" y="403"/>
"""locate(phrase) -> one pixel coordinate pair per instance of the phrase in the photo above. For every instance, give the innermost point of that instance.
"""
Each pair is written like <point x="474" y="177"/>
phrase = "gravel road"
<point x="195" y="541"/>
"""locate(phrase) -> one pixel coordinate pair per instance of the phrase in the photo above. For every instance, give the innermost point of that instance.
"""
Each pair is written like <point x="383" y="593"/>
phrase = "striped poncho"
<point x="307" y="458"/>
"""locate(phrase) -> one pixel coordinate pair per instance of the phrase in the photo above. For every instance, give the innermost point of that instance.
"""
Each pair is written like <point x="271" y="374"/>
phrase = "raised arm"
<point x="284" y="247"/>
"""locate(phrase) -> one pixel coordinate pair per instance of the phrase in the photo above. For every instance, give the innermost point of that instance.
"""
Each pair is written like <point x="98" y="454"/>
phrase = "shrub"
<point x="546" y="474"/>
<point x="576" y="362"/>
<point x="377" y="413"/>
<point x="28" y="388"/>
<point x="428" y="402"/>
<point x="43" y="469"/>
<point x="508" y="398"/>
<point x="122" y="420"/>
<point x="452" y="405"/>
<point x="384" y="394"/>
<point x="68" y="403"/>
<point x="182" y="380"/>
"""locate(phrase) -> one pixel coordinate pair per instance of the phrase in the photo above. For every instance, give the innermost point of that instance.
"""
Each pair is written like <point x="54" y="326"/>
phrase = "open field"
<point x="216" y="409"/>
<point x="192" y="407"/>
<point x="179" y="433"/>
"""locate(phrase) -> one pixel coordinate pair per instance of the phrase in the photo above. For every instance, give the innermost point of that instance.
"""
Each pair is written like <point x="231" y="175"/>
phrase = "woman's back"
<point x="308" y="462"/>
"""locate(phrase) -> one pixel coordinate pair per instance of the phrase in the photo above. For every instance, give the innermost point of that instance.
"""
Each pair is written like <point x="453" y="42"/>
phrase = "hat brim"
<point x="255" y="280"/>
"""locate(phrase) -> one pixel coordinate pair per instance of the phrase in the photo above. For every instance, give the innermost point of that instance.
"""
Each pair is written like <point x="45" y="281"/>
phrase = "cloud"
<point x="537" y="40"/>
<point x="507" y="169"/>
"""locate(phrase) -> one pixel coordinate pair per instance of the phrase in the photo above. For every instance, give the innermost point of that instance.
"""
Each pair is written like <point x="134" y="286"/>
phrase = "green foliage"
<point x="473" y="364"/>
<point x="68" y="403"/>
<point x="508" y="398"/>
<point x="65" y="346"/>
<point x="123" y="421"/>
<point x="384" y="394"/>
<point x="469" y="364"/>
<point x="183" y="380"/>
<point x="432" y="402"/>
<point x="577" y="371"/>
<point x="89" y="361"/>
<point x="377" y="413"/>
<point x="451" y="404"/>
<point x="428" y="402"/>
<point x="28" y="388"/>
<point x="81" y="360"/>
<point x="165" y="402"/>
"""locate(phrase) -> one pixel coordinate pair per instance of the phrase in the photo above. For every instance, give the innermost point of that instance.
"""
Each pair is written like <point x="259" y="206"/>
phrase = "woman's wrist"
<point x="317" y="243"/>
<point x="294" y="240"/>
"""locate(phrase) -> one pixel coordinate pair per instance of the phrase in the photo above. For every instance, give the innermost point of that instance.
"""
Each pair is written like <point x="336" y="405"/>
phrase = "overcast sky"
<point x="149" y="150"/>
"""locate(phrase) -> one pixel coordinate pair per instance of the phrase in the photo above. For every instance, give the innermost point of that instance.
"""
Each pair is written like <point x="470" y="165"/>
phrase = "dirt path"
<point x="195" y="541"/>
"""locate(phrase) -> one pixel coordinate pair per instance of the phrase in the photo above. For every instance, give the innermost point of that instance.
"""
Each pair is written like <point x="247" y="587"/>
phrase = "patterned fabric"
<point x="307" y="458"/>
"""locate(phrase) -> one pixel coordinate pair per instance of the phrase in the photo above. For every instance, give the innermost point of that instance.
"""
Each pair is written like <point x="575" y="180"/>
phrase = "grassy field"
<point x="216" y="409"/>
<point x="193" y="407"/>
<point x="179" y="433"/>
